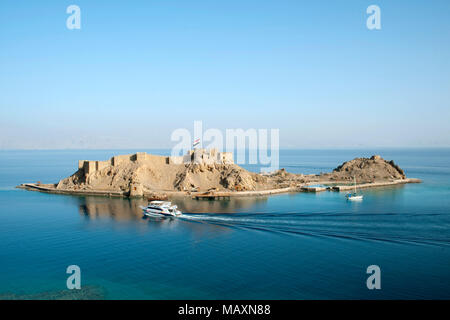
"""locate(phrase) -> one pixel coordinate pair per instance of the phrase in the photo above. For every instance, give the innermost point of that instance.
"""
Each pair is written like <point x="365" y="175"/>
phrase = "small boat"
<point x="161" y="208"/>
<point x="354" y="196"/>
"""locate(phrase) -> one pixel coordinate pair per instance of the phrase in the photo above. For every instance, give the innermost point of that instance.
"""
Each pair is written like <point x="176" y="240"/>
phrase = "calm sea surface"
<point x="291" y="246"/>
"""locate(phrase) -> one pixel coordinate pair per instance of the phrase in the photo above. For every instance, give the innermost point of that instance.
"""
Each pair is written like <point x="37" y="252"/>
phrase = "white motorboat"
<point x="161" y="208"/>
<point x="354" y="196"/>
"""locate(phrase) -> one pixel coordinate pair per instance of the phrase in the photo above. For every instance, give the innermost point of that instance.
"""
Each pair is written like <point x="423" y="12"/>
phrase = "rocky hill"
<point x="372" y="169"/>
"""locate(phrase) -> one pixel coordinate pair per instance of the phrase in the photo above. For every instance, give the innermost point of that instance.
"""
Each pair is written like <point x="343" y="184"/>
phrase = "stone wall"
<point x="155" y="159"/>
<point x="89" y="167"/>
<point x="226" y="157"/>
<point x="116" y="160"/>
<point x="203" y="156"/>
<point x="199" y="156"/>
<point x="102" y="164"/>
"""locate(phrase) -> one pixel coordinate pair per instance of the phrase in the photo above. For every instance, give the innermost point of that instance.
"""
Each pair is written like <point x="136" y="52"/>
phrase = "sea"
<point x="286" y="246"/>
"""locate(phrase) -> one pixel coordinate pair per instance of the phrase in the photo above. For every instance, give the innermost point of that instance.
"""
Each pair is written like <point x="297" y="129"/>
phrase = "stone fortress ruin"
<point x="196" y="156"/>
<point x="139" y="173"/>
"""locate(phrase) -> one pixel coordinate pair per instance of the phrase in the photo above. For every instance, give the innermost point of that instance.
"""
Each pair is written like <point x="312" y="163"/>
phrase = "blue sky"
<point x="137" y="70"/>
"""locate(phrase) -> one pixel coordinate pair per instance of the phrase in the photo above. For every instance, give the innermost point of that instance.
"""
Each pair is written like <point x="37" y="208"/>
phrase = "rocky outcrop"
<point x="218" y="176"/>
<point x="368" y="170"/>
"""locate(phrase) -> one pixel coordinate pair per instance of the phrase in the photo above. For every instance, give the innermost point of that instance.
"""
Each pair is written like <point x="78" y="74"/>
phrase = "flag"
<point x="196" y="142"/>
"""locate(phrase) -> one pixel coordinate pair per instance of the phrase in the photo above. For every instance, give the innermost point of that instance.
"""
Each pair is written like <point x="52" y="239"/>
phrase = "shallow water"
<point x="289" y="246"/>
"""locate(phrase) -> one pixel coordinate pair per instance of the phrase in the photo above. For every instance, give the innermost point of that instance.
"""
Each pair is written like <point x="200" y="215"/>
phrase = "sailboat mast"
<point x="355" y="182"/>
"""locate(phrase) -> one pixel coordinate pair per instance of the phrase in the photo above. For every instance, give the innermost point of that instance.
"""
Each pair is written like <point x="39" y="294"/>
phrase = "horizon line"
<point x="246" y="149"/>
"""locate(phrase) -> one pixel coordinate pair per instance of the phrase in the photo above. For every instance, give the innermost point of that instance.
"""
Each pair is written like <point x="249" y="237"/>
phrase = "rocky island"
<point x="212" y="173"/>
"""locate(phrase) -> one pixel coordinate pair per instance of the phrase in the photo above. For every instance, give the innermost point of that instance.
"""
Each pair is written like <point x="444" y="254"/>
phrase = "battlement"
<point x="203" y="156"/>
<point x="92" y="166"/>
<point x="198" y="156"/>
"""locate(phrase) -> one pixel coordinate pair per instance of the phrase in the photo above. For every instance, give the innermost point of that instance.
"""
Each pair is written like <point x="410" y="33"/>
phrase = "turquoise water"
<point x="290" y="246"/>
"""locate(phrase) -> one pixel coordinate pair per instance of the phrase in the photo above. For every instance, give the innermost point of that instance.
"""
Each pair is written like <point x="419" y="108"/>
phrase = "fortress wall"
<point x="207" y="159"/>
<point x="187" y="158"/>
<point x="199" y="156"/>
<point x="136" y="190"/>
<point x="141" y="156"/>
<point x="80" y="164"/>
<point x="213" y="153"/>
<point x="226" y="157"/>
<point x="102" y="164"/>
<point x="89" y="167"/>
<point x="161" y="160"/>
<point x="116" y="160"/>
<point x="176" y="160"/>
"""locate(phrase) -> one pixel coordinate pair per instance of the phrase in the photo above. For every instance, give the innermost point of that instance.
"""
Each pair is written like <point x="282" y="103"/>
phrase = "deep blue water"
<point x="291" y="246"/>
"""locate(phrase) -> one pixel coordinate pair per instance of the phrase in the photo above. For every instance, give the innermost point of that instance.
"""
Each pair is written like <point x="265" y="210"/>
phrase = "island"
<point x="210" y="174"/>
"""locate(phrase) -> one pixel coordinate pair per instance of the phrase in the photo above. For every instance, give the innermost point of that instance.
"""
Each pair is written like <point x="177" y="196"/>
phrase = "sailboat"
<point x="354" y="196"/>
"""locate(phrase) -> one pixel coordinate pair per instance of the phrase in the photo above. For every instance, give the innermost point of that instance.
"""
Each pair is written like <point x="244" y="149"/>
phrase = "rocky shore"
<point x="207" y="171"/>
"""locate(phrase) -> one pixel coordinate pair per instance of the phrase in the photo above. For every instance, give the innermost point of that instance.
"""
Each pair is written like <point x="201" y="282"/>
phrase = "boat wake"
<point x="333" y="226"/>
<point x="230" y="219"/>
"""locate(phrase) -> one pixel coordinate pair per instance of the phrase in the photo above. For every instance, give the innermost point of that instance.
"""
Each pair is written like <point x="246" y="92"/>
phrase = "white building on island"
<point x="203" y="156"/>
